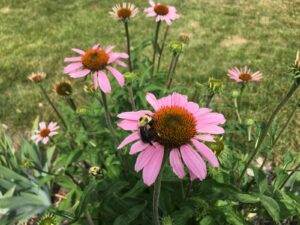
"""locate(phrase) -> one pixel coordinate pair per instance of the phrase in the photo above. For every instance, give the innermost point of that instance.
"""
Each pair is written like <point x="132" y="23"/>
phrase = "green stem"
<point x="289" y="176"/>
<point x="155" y="47"/>
<point x="173" y="71"/>
<point x="88" y="217"/>
<point x="108" y="118"/>
<point x="170" y="68"/>
<point x="236" y="107"/>
<point x="73" y="106"/>
<point x="162" y="47"/>
<point x="128" y="45"/>
<point x="156" y="193"/>
<point x="53" y="107"/>
<point x="209" y="99"/>
<point x="265" y="132"/>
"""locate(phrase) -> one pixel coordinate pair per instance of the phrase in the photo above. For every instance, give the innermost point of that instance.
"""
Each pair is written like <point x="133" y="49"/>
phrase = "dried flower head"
<point x="185" y="38"/>
<point x="37" y="77"/>
<point x="124" y="11"/>
<point x="63" y="88"/>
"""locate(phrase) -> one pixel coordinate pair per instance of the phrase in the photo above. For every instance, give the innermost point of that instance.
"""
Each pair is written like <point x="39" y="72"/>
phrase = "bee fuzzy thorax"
<point x="146" y="127"/>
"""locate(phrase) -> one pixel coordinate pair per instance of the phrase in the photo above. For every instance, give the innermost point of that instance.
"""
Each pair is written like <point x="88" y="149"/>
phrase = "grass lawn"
<point x="36" y="35"/>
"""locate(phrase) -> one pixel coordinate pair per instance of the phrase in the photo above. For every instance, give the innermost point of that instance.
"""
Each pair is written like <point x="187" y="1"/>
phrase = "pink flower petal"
<point x="192" y="107"/>
<point x="138" y="147"/>
<point x="179" y="100"/>
<point x="209" y="138"/>
<point x="96" y="46"/>
<point x="128" y="125"/>
<point x="81" y="73"/>
<point x="120" y="63"/>
<point x="73" y="59"/>
<point x="210" y="129"/>
<point x="206" y="153"/>
<point x="134" y="115"/>
<point x="151" y="99"/>
<point x="104" y="82"/>
<point x="193" y="161"/>
<point x="53" y="133"/>
<point x="130" y="138"/>
<point x="192" y="176"/>
<point x="72" y="67"/>
<point x="79" y="51"/>
<point x="211" y="118"/>
<point x="42" y="125"/>
<point x="176" y="163"/>
<point x="151" y="170"/>
<point x="45" y="140"/>
<point x="119" y="77"/>
<point x="109" y="48"/>
<point x="143" y="158"/>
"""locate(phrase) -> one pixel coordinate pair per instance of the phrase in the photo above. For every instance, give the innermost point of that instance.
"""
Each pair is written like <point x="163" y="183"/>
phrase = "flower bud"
<point x="130" y="75"/>
<point x="176" y="47"/>
<point x="217" y="147"/>
<point x="185" y="38"/>
<point x="250" y="122"/>
<point x="235" y="94"/>
<point x="214" y="85"/>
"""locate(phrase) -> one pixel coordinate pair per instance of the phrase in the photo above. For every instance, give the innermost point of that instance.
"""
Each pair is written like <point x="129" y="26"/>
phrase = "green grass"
<point x="36" y="35"/>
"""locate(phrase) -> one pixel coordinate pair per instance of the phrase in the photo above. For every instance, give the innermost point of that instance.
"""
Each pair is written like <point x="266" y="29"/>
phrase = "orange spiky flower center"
<point x="124" y="13"/>
<point x="245" y="77"/>
<point x="174" y="126"/>
<point x="161" y="10"/>
<point x="45" y="132"/>
<point x="95" y="59"/>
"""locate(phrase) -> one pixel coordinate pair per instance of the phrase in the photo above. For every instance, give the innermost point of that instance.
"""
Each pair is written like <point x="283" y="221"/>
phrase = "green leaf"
<point x="208" y="220"/>
<point x="271" y="206"/>
<point x="246" y="198"/>
<point x="130" y="215"/>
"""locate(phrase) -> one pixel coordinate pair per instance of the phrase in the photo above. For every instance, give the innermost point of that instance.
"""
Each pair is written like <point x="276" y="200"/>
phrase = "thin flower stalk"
<point x="236" y="107"/>
<point x="53" y="107"/>
<point x="108" y="118"/>
<point x="289" y="176"/>
<point x="155" y="46"/>
<point x="172" y="71"/>
<point x="209" y="99"/>
<point x="292" y="90"/>
<point x="156" y="194"/>
<point x="73" y="106"/>
<point x="130" y="66"/>
<point x="162" y="47"/>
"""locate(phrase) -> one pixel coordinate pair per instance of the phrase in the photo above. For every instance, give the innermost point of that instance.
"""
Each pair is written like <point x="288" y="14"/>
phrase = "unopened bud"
<point x="250" y="122"/>
<point x="235" y="94"/>
<point x="176" y="47"/>
<point x="214" y="85"/>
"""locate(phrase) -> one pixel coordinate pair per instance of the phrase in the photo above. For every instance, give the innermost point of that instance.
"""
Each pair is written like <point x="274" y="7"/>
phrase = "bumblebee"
<point x="146" y="127"/>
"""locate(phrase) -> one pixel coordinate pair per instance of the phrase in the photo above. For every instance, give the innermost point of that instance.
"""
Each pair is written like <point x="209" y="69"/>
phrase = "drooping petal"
<point x="128" y="125"/>
<point x="95" y="76"/>
<point x="81" y="73"/>
<point x="138" y="147"/>
<point x="206" y="153"/>
<point x="176" y="163"/>
<point x="45" y="140"/>
<point x="120" y="63"/>
<point x="130" y="138"/>
<point x="152" y="168"/>
<point x="119" y="77"/>
<point x="193" y="161"/>
<point x="104" y="82"/>
<point x="72" y="67"/>
<point x="144" y="158"/>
